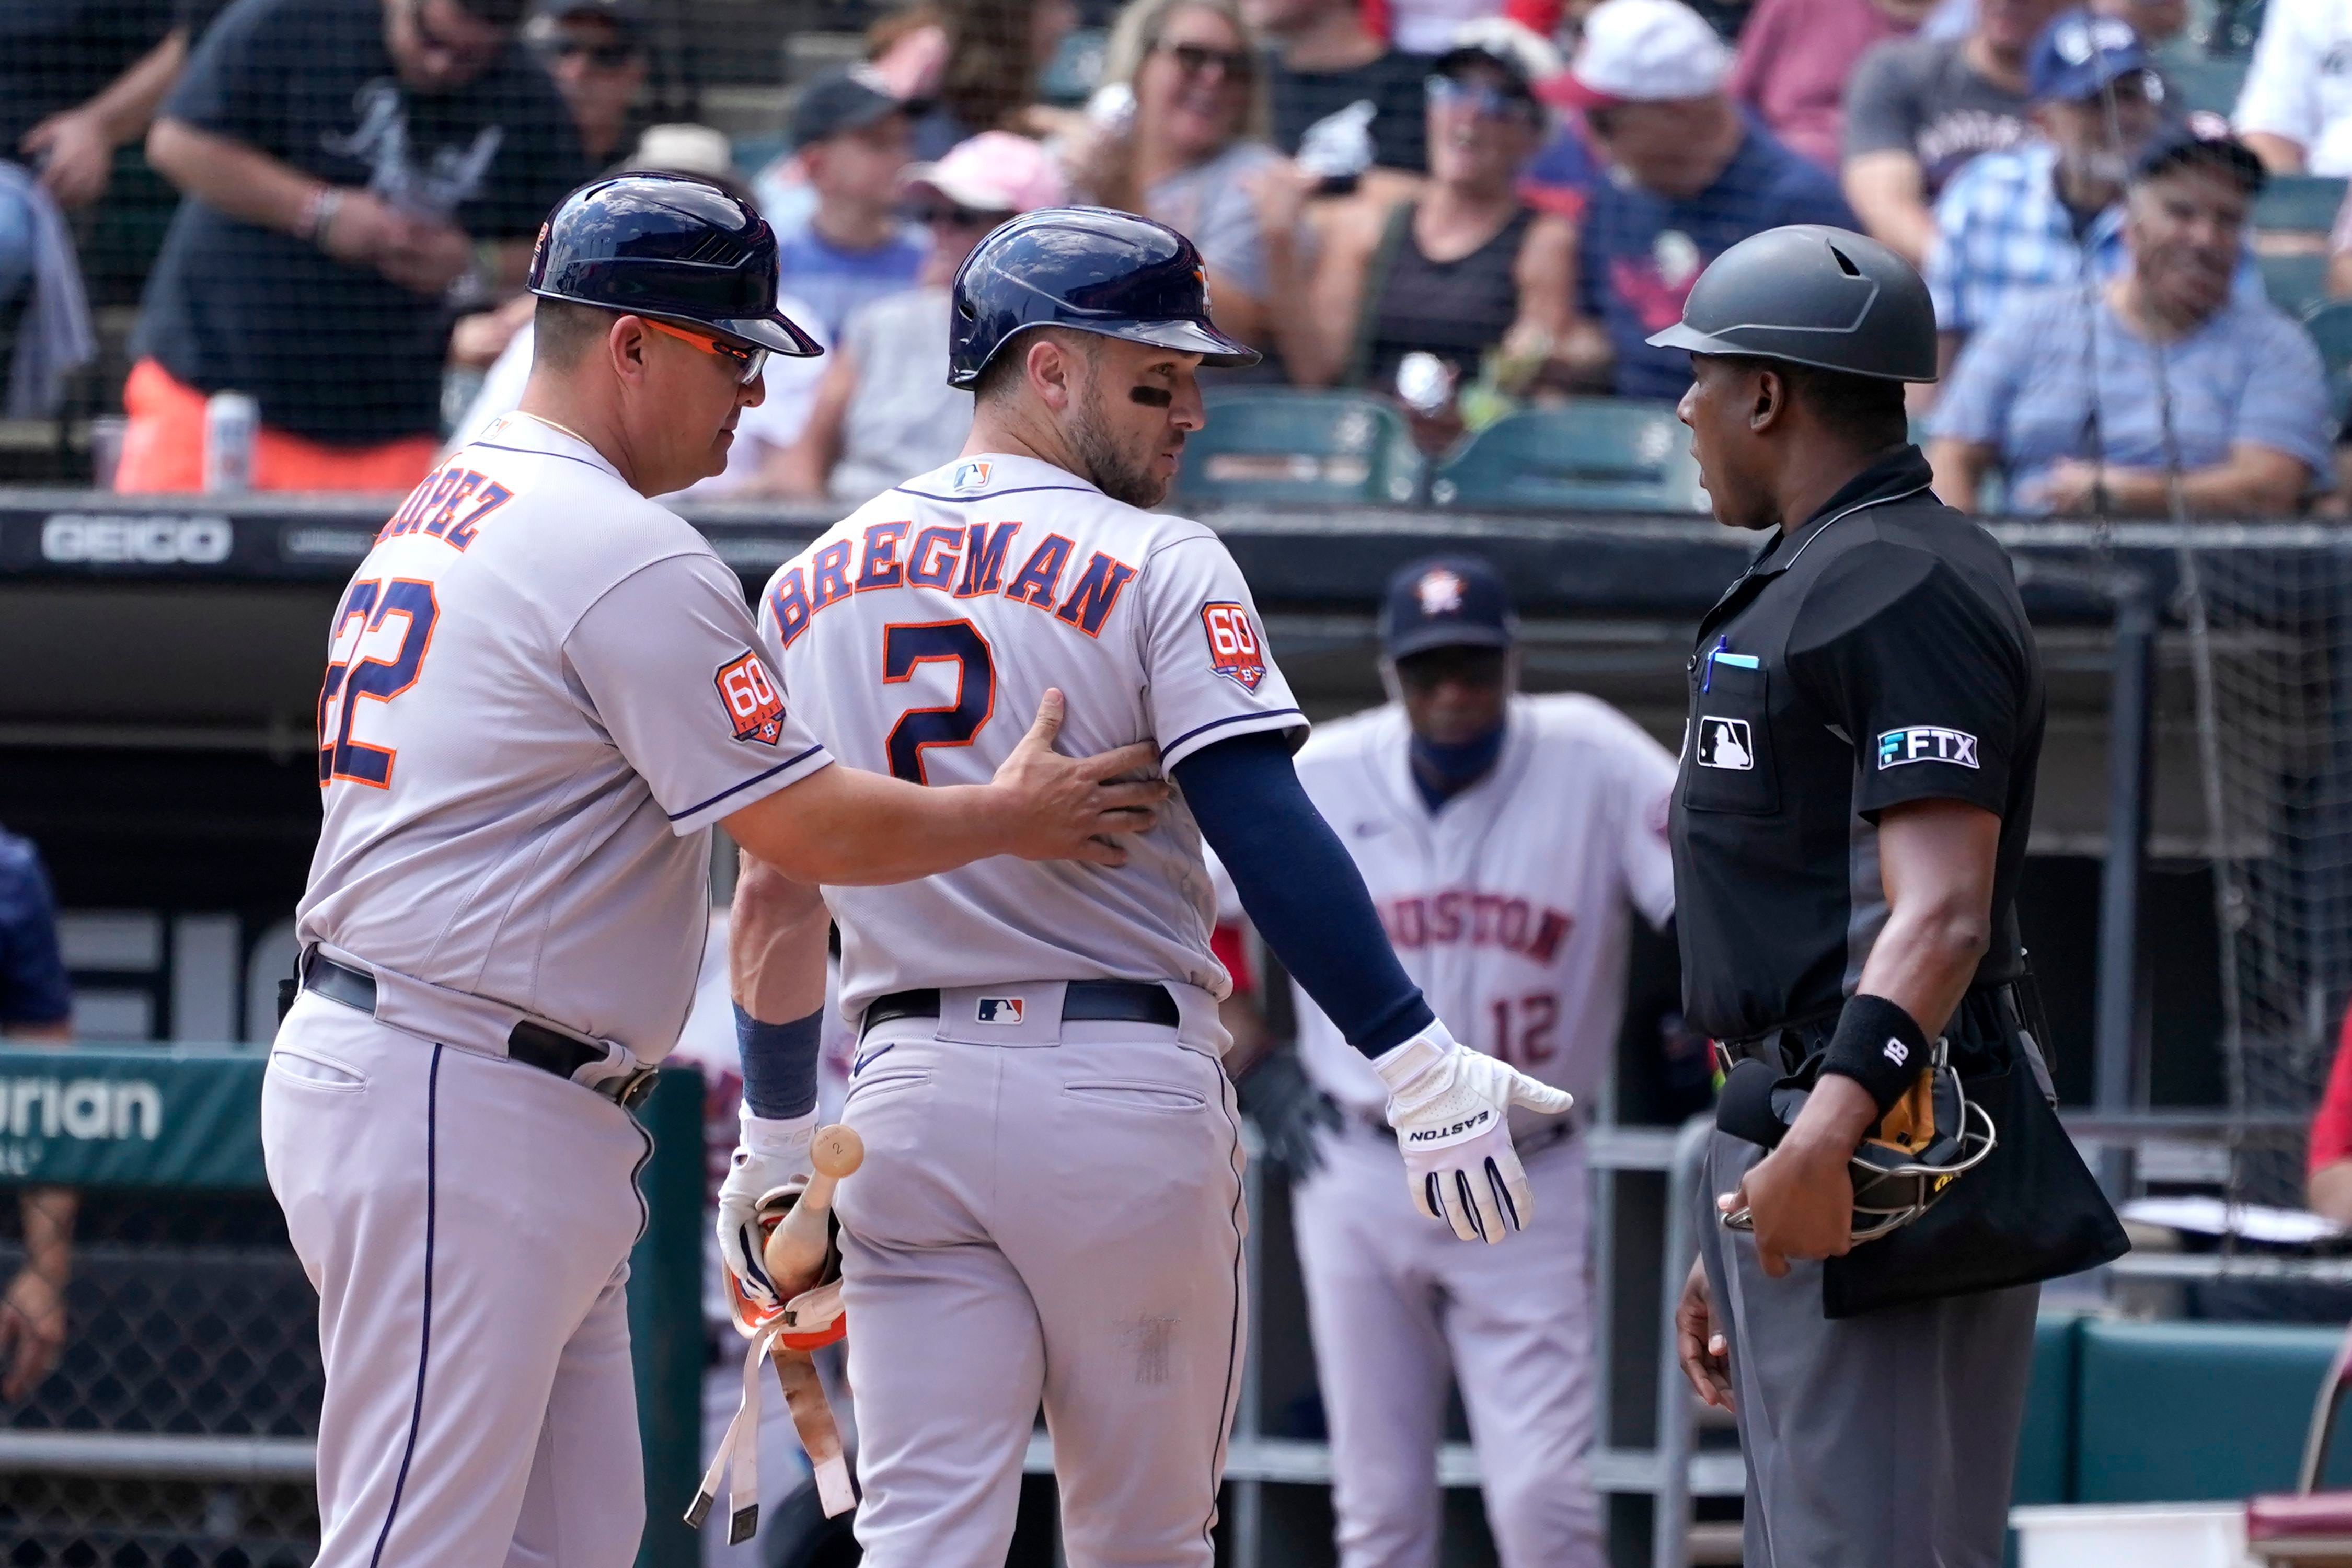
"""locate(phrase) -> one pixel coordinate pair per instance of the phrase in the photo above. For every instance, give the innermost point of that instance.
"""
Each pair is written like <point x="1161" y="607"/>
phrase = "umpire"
<point x="1856" y="786"/>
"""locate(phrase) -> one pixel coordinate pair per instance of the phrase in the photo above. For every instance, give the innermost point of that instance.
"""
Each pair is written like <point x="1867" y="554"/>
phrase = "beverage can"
<point x="232" y="423"/>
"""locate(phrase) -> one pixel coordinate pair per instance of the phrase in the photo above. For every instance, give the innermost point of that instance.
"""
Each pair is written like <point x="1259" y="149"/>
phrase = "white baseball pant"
<point x="467" y="1221"/>
<point x="1397" y="1303"/>
<point x="1056" y="1222"/>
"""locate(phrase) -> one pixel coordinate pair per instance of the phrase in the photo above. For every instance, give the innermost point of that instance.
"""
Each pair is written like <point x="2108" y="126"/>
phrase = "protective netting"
<point x="2276" y="743"/>
<point x="185" y="1318"/>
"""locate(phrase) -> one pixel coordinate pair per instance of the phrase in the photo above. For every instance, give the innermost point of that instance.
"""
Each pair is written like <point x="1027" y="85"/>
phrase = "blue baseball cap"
<point x="1446" y="601"/>
<point x="2203" y="138"/>
<point x="2080" y="54"/>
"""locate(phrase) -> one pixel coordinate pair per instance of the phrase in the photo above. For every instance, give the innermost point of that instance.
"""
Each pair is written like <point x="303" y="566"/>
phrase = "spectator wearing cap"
<point x="1918" y="109"/>
<point x="1324" y="59"/>
<point x="882" y="408"/>
<point x="1467" y="266"/>
<point x="595" y="50"/>
<point x="1693" y="176"/>
<point x="852" y="140"/>
<point x="2096" y="402"/>
<point x="2051" y="212"/>
<point x="2295" y="109"/>
<point x="1795" y="57"/>
<point x="36" y="1008"/>
<point x="1190" y="153"/>
<point x="341" y="162"/>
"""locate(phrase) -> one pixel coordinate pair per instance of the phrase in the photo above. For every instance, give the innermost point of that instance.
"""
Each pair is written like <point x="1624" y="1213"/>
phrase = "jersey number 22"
<point x="380" y="634"/>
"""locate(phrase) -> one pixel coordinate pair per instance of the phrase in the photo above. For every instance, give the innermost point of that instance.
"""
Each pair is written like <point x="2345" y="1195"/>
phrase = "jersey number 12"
<point x="906" y="644"/>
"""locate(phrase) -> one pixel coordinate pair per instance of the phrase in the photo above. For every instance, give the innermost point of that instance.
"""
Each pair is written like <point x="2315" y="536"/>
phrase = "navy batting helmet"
<point x="1092" y="271"/>
<point x="669" y="246"/>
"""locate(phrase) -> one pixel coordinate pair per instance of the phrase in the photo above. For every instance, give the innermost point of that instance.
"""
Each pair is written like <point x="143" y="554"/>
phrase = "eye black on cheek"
<point x="1151" y="396"/>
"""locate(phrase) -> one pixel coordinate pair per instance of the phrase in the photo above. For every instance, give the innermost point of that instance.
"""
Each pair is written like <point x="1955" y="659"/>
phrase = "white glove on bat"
<point x="768" y="1153"/>
<point x="1451" y="1107"/>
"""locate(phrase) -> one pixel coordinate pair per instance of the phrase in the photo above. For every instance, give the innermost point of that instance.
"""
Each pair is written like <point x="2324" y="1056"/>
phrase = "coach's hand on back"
<point x="1072" y="808"/>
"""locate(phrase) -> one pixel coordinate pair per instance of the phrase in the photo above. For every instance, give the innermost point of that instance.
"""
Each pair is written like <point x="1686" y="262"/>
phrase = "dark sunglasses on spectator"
<point x="958" y="217"/>
<point x="603" y="57"/>
<point x="1484" y="98"/>
<point x="748" y="362"/>
<point x="1194" y="58"/>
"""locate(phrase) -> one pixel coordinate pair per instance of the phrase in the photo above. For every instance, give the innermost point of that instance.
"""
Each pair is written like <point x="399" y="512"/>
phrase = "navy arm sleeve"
<point x="1302" y="891"/>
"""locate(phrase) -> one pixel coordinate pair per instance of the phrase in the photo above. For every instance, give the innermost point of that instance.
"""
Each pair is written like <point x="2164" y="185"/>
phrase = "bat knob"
<point x="837" y="1150"/>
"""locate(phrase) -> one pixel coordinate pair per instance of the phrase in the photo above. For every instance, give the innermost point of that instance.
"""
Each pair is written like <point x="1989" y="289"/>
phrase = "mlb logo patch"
<point x="1004" y="1010"/>
<point x="751" y="700"/>
<point x="1234" y="650"/>
<point x="971" y="476"/>
<point x="1926" y="743"/>
<point x="1725" y="743"/>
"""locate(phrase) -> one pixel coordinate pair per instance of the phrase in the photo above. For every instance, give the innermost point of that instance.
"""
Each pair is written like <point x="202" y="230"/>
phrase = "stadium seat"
<point x="2330" y="326"/>
<point x="2181" y="1412"/>
<point x="1071" y="76"/>
<point x="2045" y="1440"/>
<point x="2298" y="204"/>
<point x="1597" y="454"/>
<point x="2296" y="281"/>
<point x="2199" y="81"/>
<point x="1269" y="445"/>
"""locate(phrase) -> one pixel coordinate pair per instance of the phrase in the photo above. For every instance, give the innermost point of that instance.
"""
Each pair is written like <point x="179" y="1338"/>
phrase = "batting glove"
<point x="768" y="1153"/>
<point x="1451" y="1107"/>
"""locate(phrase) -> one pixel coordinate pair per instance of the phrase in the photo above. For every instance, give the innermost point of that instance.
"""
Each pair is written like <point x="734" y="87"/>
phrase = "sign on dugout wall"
<point x="142" y="1116"/>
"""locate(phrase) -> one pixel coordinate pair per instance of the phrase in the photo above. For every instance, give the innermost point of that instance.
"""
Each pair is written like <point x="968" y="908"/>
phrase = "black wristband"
<point x="1880" y="1046"/>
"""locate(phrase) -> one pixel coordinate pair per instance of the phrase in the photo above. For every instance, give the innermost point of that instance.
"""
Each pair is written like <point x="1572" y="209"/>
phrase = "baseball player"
<point x="541" y="690"/>
<point x="1050" y="1208"/>
<point x="1509" y="841"/>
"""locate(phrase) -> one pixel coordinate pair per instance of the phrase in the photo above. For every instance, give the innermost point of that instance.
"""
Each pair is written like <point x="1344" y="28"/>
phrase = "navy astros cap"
<point x="2079" y="54"/>
<point x="841" y="101"/>
<point x="1446" y="601"/>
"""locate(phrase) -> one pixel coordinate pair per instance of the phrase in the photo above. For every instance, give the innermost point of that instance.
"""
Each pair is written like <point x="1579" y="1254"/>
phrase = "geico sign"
<point x="147" y="541"/>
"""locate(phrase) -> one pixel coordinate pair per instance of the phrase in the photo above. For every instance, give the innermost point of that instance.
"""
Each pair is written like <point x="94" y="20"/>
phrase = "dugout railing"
<point x="179" y="1426"/>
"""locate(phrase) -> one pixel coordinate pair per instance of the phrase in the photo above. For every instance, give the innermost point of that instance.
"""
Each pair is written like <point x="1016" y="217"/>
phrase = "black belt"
<point x="533" y="1045"/>
<point x="1084" y="1001"/>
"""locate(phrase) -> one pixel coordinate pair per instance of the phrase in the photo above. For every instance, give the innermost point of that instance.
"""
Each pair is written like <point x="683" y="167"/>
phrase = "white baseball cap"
<point x="994" y="171"/>
<point x="1642" y="51"/>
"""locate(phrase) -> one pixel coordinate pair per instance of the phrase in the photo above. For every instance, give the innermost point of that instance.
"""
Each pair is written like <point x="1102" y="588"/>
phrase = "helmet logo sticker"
<point x="1440" y="593"/>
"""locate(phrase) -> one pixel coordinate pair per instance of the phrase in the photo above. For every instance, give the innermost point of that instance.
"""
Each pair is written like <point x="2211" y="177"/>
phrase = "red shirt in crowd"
<point x="2331" y="1124"/>
<point x="1794" y="58"/>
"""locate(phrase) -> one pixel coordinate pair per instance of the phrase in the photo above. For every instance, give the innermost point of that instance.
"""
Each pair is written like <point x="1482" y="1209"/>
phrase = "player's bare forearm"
<point x="845" y="828"/>
<point x="225" y="174"/>
<point x="49" y="1213"/>
<point x="776" y="945"/>
<point x="1936" y="863"/>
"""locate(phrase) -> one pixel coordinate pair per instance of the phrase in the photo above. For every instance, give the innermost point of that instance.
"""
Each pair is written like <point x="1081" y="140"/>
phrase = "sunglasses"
<point x="1193" y="59"/>
<point x="748" y="362"/>
<point x="958" y="216"/>
<point x="1481" y="98"/>
<point x="603" y="57"/>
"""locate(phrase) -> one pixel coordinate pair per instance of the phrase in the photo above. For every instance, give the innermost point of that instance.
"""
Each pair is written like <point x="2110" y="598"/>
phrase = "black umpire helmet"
<point x="670" y="246"/>
<point x="1092" y="271"/>
<point x="1813" y="295"/>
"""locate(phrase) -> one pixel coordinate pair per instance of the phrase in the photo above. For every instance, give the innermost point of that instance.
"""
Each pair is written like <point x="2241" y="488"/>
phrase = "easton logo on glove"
<point x="1436" y="1134"/>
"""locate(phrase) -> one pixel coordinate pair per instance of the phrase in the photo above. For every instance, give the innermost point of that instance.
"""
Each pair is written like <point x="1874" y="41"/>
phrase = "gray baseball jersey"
<point x="541" y="689"/>
<point x="915" y="639"/>
<point x="1510" y="908"/>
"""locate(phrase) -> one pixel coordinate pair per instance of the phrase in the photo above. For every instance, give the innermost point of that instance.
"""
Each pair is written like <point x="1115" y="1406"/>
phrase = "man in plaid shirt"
<point x="2031" y="217"/>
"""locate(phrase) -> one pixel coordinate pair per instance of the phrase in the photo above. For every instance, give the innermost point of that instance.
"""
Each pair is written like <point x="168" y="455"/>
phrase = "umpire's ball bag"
<point x="2031" y="1211"/>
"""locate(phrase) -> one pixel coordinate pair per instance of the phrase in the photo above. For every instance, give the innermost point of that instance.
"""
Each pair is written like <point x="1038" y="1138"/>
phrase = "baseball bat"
<point x="795" y="1248"/>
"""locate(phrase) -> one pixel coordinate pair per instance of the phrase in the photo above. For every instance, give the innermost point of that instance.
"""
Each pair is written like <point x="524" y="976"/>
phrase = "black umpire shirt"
<point x="1877" y="654"/>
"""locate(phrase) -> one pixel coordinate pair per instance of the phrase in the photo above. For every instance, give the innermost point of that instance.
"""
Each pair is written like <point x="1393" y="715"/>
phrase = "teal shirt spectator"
<point x="33" y="988"/>
<point x="2030" y="384"/>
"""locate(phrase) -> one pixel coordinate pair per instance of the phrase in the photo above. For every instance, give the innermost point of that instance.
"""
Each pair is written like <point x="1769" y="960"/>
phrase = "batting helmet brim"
<point x="779" y="335"/>
<point x="1782" y="346"/>
<point x="1217" y="351"/>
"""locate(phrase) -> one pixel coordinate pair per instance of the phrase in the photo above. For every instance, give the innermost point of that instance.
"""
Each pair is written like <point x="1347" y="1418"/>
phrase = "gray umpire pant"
<point x="1888" y="1438"/>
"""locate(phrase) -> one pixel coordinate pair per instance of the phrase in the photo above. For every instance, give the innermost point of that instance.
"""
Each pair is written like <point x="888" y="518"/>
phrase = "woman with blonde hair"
<point x="1176" y="134"/>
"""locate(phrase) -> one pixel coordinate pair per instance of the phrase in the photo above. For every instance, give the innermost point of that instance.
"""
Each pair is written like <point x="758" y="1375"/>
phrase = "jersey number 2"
<point x="380" y="635"/>
<point x="907" y="645"/>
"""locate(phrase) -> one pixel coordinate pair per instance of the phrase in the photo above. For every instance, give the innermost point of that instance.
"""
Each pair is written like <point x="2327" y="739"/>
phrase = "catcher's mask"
<point x="1933" y="1135"/>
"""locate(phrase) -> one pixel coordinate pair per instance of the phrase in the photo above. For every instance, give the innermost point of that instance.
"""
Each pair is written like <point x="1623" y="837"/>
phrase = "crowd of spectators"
<point x="1505" y="196"/>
